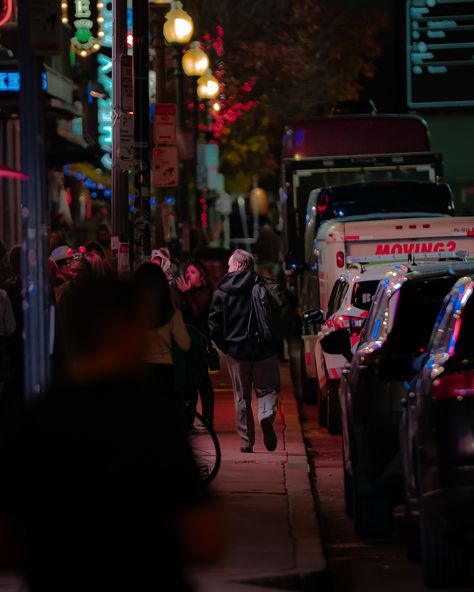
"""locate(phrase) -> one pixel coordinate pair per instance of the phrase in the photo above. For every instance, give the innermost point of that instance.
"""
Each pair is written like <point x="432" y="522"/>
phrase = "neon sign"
<point x="6" y="11"/>
<point x="104" y="77"/>
<point x="84" y="42"/>
<point x="10" y="81"/>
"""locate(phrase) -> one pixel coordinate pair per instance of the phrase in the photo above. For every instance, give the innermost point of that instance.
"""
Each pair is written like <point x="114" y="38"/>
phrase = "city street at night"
<point x="236" y="295"/>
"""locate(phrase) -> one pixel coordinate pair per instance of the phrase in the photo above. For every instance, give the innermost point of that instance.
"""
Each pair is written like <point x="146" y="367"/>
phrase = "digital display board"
<point x="440" y="53"/>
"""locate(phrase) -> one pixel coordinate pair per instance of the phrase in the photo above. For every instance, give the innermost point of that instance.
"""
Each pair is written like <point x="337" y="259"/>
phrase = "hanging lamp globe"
<point x="195" y="61"/>
<point x="179" y="27"/>
<point x="208" y="86"/>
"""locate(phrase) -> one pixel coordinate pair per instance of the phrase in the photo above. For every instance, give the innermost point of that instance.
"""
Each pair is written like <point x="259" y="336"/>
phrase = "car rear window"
<point x="417" y="311"/>
<point x="363" y="294"/>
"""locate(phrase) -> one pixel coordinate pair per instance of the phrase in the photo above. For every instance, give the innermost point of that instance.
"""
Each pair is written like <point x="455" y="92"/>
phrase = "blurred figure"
<point x="196" y="301"/>
<point x="80" y="269"/>
<point x="99" y="267"/>
<point x="165" y="326"/>
<point x="268" y="249"/>
<point x="118" y="504"/>
<point x="14" y="288"/>
<point x="7" y="328"/>
<point x="63" y="257"/>
<point x="104" y="238"/>
<point x="57" y="238"/>
<point x="4" y="268"/>
<point x="162" y="258"/>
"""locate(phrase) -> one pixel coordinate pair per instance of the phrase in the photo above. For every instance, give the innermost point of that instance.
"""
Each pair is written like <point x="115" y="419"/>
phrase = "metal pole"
<point x="34" y="215"/>
<point x="120" y="226"/>
<point x="142" y="214"/>
<point x="158" y="12"/>
<point x="182" y="205"/>
<point x="197" y="207"/>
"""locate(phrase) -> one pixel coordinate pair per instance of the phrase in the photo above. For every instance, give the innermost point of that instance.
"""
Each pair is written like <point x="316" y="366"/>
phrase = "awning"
<point x="8" y="173"/>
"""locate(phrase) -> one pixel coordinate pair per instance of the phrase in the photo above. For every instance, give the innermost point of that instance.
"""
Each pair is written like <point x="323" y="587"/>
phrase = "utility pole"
<point x="141" y="59"/>
<point x="120" y="207"/>
<point x="34" y="211"/>
<point x="158" y="12"/>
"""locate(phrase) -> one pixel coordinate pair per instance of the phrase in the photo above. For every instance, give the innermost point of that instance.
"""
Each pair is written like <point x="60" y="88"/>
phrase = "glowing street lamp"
<point x="208" y="86"/>
<point x="179" y="27"/>
<point x="195" y="61"/>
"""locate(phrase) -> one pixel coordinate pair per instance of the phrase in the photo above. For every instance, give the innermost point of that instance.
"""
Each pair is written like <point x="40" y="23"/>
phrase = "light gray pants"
<point x="264" y="377"/>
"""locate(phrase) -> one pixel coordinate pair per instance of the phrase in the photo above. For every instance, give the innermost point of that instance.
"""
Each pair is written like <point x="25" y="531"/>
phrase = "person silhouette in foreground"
<point x="99" y="487"/>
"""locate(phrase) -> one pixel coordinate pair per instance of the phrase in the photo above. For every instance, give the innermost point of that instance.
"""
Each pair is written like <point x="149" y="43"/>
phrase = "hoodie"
<point x="230" y="325"/>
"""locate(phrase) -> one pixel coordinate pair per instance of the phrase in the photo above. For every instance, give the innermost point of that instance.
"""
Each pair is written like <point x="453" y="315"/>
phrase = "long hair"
<point x="150" y="282"/>
<point x="199" y="265"/>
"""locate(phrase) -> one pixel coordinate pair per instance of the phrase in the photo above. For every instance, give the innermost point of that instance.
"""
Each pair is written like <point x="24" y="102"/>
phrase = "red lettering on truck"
<point x="410" y="248"/>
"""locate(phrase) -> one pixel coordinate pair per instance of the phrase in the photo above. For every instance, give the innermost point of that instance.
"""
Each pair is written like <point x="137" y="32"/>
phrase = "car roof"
<point x="428" y="270"/>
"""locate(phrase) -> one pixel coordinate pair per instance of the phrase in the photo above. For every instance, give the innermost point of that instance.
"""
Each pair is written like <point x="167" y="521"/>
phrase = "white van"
<point x="383" y="239"/>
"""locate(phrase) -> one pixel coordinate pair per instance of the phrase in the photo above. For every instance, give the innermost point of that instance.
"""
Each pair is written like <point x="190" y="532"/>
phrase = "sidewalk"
<point x="275" y="537"/>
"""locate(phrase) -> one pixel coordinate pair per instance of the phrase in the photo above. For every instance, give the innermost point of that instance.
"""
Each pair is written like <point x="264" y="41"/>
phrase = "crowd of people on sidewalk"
<point x="99" y="487"/>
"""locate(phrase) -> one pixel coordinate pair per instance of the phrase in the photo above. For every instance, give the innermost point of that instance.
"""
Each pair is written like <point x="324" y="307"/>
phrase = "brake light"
<point x="454" y="386"/>
<point x="340" y="259"/>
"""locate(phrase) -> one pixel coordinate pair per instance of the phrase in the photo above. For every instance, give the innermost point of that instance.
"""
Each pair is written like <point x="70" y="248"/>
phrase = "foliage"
<point x="278" y="61"/>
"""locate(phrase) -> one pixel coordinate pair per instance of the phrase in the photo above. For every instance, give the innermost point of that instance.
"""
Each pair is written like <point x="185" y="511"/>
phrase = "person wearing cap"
<point x="63" y="257"/>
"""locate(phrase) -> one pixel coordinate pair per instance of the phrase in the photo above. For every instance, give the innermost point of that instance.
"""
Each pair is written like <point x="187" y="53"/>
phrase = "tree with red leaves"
<point x="279" y="61"/>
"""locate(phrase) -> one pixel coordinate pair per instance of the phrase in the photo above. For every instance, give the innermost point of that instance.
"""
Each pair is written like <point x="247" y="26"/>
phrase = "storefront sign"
<point x="6" y="11"/>
<point x="88" y="28"/>
<point x="10" y="81"/>
<point x="104" y="77"/>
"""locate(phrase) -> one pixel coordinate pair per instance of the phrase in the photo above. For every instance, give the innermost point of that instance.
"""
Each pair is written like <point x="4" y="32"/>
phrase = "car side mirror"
<point x="313" y="316"/>
<point x="338" y="342"/>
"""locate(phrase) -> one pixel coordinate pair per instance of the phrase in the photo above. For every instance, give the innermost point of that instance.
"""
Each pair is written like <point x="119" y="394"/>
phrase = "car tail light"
<point x="454" y="386"/>
<point x="340" y="259"/>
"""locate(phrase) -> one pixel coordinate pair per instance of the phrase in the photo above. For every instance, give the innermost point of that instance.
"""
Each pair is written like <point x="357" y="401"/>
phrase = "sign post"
<point x="121" y="70"/>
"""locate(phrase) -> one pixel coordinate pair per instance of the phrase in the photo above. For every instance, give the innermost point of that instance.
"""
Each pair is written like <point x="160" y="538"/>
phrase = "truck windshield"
<point x="375" y="198"/>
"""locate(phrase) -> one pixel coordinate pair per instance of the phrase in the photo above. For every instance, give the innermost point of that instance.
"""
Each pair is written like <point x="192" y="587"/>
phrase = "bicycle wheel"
<point x="206" y="448"/>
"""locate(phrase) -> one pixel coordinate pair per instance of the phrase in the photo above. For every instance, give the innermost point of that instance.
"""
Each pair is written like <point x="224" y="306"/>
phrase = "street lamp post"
<point x="178" y="31"/>
<point x="158" y="10"/>
<point x="195" y="64"/>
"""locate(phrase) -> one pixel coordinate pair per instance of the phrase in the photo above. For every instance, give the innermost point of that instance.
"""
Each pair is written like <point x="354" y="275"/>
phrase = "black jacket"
<point x="229" y="319"/>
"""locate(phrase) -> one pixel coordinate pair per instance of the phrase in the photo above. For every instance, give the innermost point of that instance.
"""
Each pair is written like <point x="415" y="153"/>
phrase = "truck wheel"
<point x="348" y="495"/>
<point x="444" y="558"/>
<point x="333" y="409"/>
<point x="373" y="517"/>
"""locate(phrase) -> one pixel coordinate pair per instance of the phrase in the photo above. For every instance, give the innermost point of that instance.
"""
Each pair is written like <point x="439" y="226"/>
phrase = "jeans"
<point x="264" y="377"/>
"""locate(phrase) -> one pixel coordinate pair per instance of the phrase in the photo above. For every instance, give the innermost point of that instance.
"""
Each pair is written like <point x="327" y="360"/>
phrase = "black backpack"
<point x="271" y="311"/>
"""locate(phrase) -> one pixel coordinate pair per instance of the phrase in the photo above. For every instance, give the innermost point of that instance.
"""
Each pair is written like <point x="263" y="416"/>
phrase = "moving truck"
<point x="382" y="238"/>
<point x="349" y="149"/>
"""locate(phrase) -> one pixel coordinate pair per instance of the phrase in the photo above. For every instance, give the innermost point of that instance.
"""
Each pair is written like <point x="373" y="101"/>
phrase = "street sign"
<point x="439" y="52"/>
<point x="165" y="167"/>
<point x="127" y="131"/>
<point x="164" y="124"/>
<point x="45" y="20"/>
<point x="126" y="99"/>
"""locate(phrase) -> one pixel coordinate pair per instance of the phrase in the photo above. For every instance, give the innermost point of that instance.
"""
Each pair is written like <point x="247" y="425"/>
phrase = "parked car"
<point x="437" y="443"/>
<point x="398" y="328"/>
<point x="348" y="308"/>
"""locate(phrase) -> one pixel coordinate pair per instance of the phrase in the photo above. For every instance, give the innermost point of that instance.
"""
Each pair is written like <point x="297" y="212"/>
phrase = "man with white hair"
<point x="252" y="361"/>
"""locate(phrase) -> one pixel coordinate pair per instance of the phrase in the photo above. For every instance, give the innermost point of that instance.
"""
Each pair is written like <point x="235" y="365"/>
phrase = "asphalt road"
<point x="371" y="566"/>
